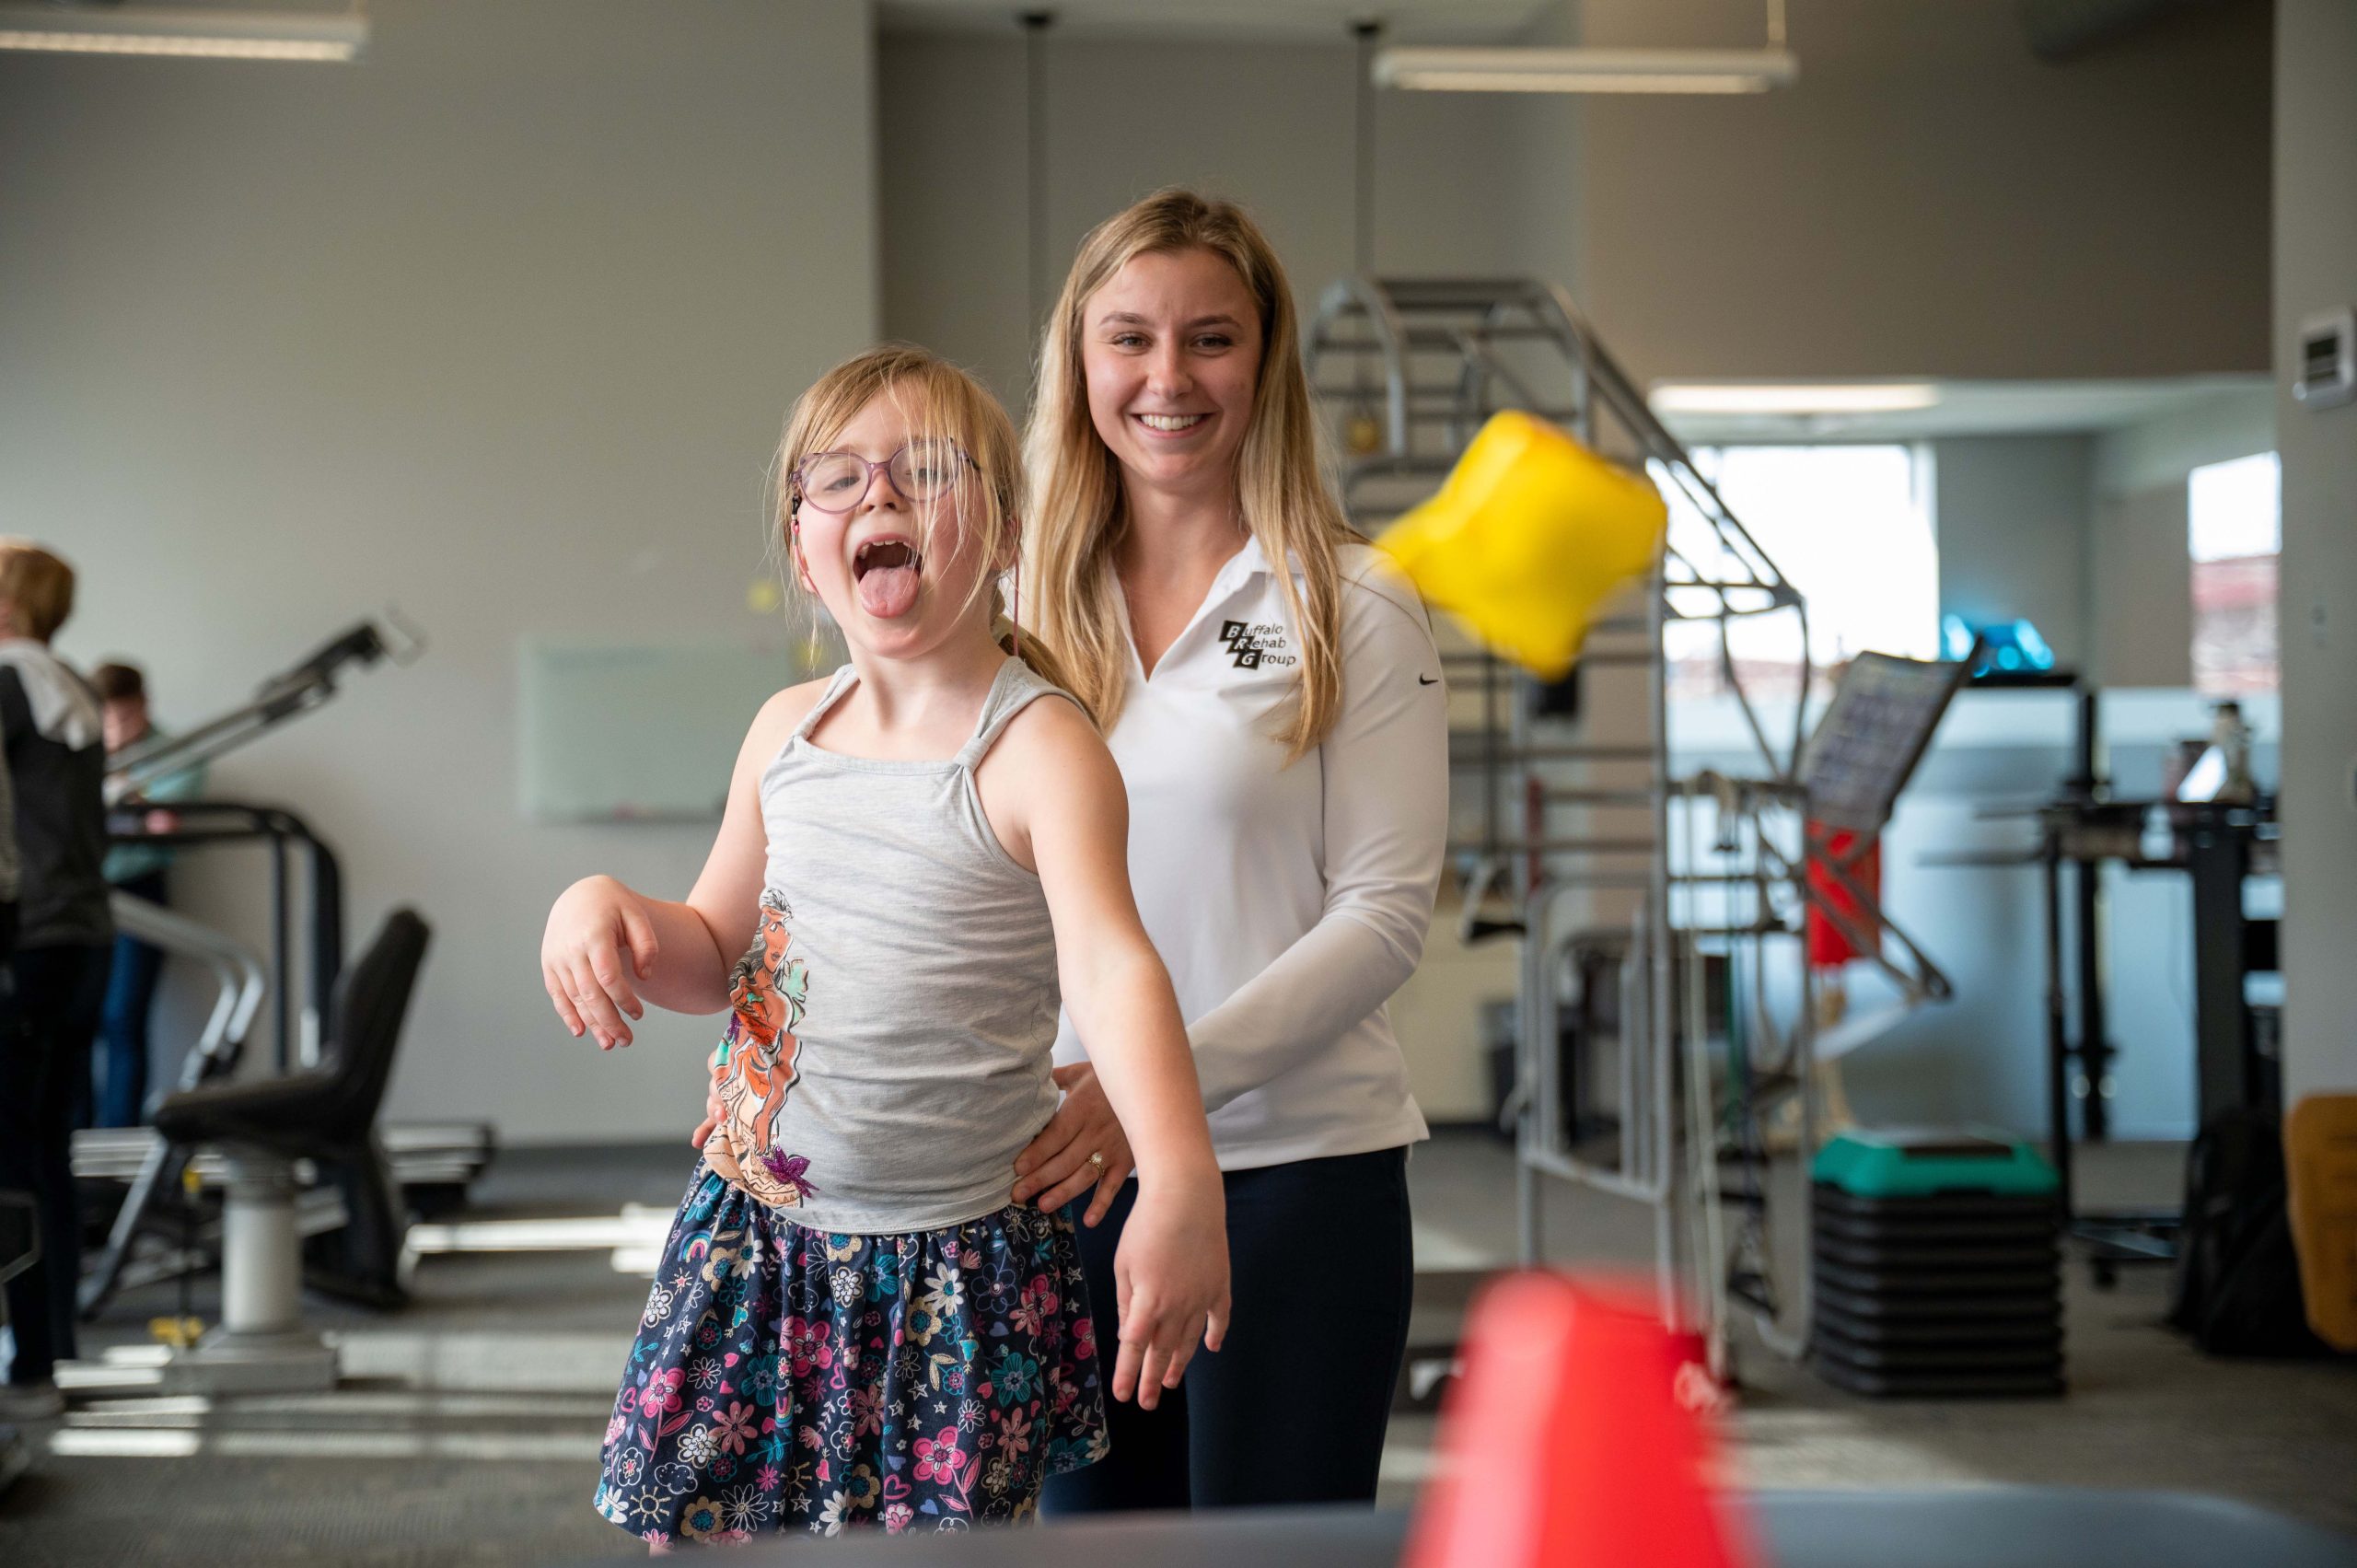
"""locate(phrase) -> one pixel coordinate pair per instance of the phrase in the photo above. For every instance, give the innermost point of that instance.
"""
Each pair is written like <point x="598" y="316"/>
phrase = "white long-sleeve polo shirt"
<point x="1289" y="902"/>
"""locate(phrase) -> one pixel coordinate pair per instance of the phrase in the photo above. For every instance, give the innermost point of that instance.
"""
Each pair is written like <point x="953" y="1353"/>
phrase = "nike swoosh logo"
<point x="1427" y="680"/>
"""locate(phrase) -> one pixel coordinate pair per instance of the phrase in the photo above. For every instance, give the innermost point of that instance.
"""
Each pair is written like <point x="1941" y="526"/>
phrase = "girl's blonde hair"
<point x="1283" y="489"/>
<point x="939" y="400"/>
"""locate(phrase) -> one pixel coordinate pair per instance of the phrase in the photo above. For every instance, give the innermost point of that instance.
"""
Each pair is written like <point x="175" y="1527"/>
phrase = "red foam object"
<point x="1564" y="1442"/>
<point x="1828" y="948"/>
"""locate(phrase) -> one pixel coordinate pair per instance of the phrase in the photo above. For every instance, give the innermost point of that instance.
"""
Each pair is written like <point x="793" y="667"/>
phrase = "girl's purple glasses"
<point x="922" y="470"/>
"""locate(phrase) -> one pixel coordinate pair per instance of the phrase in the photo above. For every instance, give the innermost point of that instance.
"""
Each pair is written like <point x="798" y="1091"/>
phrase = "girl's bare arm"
<point x="609" y="949"/>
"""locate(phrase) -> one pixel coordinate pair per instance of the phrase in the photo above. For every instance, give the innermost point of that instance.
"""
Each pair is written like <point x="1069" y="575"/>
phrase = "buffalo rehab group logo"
<point x="1255" y="645"/>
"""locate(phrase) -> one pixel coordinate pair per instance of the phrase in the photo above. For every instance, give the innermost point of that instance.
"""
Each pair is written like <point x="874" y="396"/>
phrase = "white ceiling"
<point x="1982" y="408"/>
<point x="1413" y="21"/>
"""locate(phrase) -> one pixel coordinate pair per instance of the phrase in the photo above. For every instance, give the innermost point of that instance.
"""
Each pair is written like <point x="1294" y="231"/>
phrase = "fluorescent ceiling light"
<point x="1736" y="398"/>
<point x="211" y="35"/>
<point x="1587" y="70"/>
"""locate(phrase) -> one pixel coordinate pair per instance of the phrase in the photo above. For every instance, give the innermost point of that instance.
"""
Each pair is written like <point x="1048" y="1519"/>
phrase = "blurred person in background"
<point x="119" y="1068"/>
<point x="51" y="724"/>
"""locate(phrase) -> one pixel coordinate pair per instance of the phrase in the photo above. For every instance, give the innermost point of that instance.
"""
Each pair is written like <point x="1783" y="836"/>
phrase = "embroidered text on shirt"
<point x="1257" y="644"/>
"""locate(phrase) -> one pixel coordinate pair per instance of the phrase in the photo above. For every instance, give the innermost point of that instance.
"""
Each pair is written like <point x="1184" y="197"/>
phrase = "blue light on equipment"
<point x="2010" y="646"/>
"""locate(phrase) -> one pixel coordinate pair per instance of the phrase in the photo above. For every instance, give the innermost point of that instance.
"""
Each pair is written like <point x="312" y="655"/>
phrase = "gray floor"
<point x="467" y="1428"/>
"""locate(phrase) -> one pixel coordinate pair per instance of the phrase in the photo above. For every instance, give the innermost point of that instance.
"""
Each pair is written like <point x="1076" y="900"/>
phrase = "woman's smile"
<point x="1172" y="423"/>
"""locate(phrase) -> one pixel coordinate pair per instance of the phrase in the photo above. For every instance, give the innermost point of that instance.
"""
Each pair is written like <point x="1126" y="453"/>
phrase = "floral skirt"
<point x="789" y="1380"/>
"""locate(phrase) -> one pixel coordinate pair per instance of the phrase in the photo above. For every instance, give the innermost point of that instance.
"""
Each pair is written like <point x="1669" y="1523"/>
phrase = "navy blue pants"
<point x="44" y="1065"/>
<point x="119" y="1091"/>
<point x="1322" y="1275"/>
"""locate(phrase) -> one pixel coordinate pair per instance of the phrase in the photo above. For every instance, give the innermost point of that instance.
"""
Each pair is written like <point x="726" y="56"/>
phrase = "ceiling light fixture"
<point x="208" y="35"/>
<point x="1587" y="70"/>
<point x="1798" y="399"/>
<point x="1514" y="70"/>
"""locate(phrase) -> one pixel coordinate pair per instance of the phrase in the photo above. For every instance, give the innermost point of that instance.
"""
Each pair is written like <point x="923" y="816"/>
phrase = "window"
<point x="2234" y="532"/>
<point x="1849" y="527"/>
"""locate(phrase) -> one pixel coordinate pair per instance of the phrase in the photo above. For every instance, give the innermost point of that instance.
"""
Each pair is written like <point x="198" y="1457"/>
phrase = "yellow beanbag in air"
<point x="1530" y="535"/>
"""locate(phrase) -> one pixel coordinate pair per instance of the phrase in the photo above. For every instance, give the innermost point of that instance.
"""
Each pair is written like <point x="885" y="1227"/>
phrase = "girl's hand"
<point x="1170" y="1275"/>
<point x="592" y="926"/>
<point x="1056" y="1162"/>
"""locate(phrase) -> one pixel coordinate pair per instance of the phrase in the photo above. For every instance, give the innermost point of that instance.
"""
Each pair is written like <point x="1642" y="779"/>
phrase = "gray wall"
<point x="2142" y="588"/>
<point x="498" y="324"/>
<point x="2140" y="572"/>
<point x="2315" y="267"/>
<point x="2012" y="515"/>
<point x="1543" y="214"/>
<point x="2162" y="451"/>
<point x="1929" y="199"/>
<point x="1267" y="124"/>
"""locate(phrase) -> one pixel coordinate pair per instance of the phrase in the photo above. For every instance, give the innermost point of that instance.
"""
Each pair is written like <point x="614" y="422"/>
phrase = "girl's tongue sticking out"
<point x="886" y="572"/>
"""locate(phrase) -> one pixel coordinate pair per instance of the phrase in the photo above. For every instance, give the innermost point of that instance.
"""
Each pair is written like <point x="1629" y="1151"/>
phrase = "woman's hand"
<point x="593" y="927"/>
<point x="1170" y="1280"/>
<point x="1056" y="1163"/>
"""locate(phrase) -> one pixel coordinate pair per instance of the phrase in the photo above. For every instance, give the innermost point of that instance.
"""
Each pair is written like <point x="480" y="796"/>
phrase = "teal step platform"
<point x="1935" y="1265"/>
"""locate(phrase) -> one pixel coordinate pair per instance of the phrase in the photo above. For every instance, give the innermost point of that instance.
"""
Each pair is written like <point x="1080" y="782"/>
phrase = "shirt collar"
<point x="1240" y="568"/>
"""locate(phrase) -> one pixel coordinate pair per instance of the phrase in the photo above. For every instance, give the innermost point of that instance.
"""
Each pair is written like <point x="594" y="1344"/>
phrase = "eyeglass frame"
<point x="801" y="492"/>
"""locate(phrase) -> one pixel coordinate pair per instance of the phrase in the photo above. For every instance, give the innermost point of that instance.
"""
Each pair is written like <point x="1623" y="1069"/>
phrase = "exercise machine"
<point x="179" y="1239"/>
<point x="157" y="1232"/>
<point x="261" y="1132"/>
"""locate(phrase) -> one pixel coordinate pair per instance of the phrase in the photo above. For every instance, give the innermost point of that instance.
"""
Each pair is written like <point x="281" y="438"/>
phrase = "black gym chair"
<point x="20" y="1249"/>
<point x="328" y="1117"/>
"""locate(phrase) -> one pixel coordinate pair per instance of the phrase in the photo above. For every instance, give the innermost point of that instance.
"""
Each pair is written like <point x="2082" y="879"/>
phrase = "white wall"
<point x="2315" y="268"/>
<point x="2012" y="516"/>
<point x="498" y="324"/>
<point x="1930" y="199"/>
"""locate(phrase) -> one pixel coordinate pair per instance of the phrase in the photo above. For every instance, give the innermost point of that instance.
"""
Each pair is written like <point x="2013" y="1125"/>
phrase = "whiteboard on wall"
<point x="617" y="733"/>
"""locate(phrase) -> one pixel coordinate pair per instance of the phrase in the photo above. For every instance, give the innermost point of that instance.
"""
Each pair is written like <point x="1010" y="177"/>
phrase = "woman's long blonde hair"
<point x="1286" y="500"/>
<point x="939" y="400"/>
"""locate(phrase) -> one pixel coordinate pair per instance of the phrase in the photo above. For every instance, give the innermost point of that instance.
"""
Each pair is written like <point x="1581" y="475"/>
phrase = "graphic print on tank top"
<point x="755" y="1065"/>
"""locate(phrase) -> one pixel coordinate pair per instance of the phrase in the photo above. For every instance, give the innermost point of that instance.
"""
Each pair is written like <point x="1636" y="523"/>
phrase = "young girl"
<point x="853" y="1322"/>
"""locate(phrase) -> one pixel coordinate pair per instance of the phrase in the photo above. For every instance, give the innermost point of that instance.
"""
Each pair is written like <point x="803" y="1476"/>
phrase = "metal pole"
<point x="1035" y="127"/>
<point x="281" y="973"/>
<point x="2218" y="858"/>
<point x="1663" y="1033"/>
<point x="1363" y="140"/>
<point x="2057" y="1034"/>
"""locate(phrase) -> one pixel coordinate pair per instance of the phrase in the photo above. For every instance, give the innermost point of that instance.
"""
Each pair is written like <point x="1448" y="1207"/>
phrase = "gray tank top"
<point x="888" y="1047"/>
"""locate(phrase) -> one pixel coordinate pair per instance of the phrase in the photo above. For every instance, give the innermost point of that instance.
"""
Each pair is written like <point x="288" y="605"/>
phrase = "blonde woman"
<point x="1269" y="686"/>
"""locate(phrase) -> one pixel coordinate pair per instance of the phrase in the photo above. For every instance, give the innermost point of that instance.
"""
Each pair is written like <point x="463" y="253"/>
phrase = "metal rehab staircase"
<point x="1661" y="911"/>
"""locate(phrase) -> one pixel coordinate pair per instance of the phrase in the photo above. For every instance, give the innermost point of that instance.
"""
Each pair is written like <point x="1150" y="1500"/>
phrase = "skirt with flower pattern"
<point x="789" y="1380"/>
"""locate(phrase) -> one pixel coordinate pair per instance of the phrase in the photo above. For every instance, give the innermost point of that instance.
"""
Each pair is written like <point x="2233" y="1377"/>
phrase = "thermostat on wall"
<point x="2327" y="359"/>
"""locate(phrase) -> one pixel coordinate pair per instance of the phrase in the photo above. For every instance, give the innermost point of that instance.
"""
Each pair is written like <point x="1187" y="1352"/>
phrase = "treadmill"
<point x="432" y="1163"/>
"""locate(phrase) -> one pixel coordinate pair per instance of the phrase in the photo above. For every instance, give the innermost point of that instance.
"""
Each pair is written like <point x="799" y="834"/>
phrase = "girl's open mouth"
<point x="885" y="571"/>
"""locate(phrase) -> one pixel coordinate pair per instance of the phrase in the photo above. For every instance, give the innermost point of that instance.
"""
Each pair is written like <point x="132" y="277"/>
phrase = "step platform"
<point x="1935" y="1267"/>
